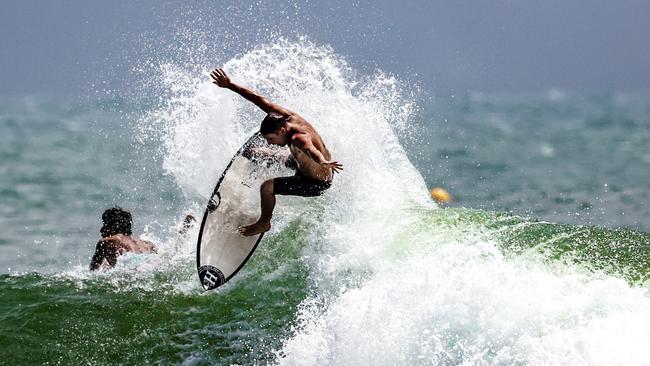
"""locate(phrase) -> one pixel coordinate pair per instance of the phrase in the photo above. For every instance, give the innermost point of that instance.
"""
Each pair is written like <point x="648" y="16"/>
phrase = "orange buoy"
<point x="441" y="195"/>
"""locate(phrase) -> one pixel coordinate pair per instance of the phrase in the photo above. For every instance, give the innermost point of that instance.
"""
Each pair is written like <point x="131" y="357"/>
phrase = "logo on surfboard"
<point x="214" y="203"/>
<point x="211" y="277"/>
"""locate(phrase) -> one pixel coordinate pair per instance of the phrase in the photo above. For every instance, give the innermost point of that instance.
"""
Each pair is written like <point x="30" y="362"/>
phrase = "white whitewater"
<point x="390" y="287"/>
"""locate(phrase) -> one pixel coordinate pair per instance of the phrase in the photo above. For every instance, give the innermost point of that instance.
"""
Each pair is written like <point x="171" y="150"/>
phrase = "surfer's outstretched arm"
<point x="220" y="78"/>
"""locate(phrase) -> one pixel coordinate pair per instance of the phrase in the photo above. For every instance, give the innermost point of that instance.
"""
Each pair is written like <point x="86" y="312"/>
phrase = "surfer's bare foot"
<point x="256" y="228"/>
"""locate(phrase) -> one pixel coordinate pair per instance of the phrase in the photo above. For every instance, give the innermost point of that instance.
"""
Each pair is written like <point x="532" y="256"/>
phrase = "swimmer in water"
<point x="117" y="239"/>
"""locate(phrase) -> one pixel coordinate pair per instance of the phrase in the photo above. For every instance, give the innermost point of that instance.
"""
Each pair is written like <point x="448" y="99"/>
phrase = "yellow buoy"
<point x="440" y="195"/>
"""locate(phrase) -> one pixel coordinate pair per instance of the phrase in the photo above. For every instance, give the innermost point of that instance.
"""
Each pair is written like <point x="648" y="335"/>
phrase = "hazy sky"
<point x="71" y="48"/>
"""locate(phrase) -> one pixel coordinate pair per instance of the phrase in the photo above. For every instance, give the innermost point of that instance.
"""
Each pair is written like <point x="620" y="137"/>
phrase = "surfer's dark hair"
<point x="271" y="123"/>
<point x="118" y="219"/>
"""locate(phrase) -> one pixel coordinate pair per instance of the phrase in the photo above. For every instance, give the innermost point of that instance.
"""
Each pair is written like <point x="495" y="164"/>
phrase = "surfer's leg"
<point x="263" y="224"/>
<point x="268" y="200"/>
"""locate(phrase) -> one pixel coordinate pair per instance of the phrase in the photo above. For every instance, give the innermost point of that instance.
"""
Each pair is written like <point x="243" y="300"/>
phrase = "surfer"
<point x="313" y="162"/>
<point x="117" y="239"/>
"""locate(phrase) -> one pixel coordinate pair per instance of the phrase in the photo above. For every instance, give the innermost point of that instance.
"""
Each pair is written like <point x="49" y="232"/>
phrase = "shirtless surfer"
<point x="314" y="165"/>
<point x="117" y="239"/>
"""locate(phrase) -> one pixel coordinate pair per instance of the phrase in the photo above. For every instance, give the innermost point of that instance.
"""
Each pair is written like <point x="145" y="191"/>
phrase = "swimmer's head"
<point x="274" y="129"/>
<point x="116" y="221"/>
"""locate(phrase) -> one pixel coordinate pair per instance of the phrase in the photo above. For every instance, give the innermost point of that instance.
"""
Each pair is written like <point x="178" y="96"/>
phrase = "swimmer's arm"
<point x="220" y="78"/>
<point x="152" y="248"/>
<point x="187" y="224"/>
<point x="140" y="247"/>
<point x="97" y="260"/>
<point x="105" y="250"/>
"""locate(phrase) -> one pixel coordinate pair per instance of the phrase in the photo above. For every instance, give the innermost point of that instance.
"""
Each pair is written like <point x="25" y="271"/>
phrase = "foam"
<point x="463" y="303"/>
<point x="387" y="287"/>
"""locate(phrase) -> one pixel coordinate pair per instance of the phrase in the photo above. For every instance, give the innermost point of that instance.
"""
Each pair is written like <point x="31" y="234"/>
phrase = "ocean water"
<point x="542" y="258"/>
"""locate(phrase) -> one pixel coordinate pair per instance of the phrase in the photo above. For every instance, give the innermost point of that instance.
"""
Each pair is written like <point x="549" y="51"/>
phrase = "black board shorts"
<point x="300" y="185"/>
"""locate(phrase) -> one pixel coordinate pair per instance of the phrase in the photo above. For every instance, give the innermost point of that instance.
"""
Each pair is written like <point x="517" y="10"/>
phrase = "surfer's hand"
<point x="335" y="165"/>
<point x="220" y="78"/>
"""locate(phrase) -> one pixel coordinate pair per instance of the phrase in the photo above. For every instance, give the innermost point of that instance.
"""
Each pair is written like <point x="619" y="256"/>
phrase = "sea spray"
<point x="205" y="124"/>
<point x="371" y="272"/>
<point x="456" y="299"/>
<point x="386" y="285"/>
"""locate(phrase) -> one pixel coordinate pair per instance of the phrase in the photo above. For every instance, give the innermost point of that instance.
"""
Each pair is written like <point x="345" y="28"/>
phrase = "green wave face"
<point x="370" y="273"/>
<point x="131" y="317"/>
<point x="618" y="252"/>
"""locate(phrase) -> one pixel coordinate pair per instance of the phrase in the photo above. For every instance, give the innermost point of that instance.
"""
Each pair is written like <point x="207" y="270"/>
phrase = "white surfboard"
<point x="221" y="250"/>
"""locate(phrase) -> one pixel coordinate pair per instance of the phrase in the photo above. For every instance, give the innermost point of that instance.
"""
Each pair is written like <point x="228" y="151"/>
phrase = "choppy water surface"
<point x="372" y="272"/>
